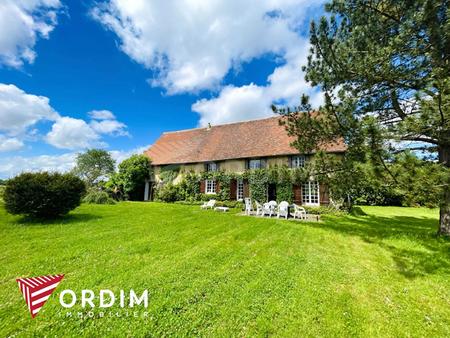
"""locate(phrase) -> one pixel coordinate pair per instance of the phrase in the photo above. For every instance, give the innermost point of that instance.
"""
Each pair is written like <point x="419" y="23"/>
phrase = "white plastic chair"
<point x="248" y="206"/>
<point x="283" y="209"/>
<point x="299" y="212"/>
<point x="269" y="208"/>
<point x="208" y="205"/>
<point x="259" y="209"/>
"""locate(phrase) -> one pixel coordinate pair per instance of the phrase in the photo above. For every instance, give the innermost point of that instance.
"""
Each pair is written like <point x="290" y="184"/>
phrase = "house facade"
<point x="236" y="148"/>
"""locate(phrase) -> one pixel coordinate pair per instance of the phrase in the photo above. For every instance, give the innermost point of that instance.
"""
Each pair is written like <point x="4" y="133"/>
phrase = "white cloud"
<point x="22" y="22"/>
<point x="19" y="110"/>
<point x="248" y="102"/>
<point x="191" y="45"/>
<point x="101" y="115"/>
<point x="104" y="122"/>
<point x="110" y="127"/>
<point x="70" y="133"/>
<point x="10" y="144"/>
<point x="14" y="165"/>
<point x="234" y="104"/>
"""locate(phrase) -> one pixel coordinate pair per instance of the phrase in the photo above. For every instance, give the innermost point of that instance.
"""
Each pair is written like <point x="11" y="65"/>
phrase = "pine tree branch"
<point x="396" y="105"/>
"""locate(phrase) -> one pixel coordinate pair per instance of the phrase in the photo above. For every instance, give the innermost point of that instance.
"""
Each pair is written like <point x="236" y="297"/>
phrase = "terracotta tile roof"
<point x="257" y="138"/>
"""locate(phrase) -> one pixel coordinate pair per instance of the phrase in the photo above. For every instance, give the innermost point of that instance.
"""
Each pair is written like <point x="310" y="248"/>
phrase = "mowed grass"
<point x="213" y="274"/>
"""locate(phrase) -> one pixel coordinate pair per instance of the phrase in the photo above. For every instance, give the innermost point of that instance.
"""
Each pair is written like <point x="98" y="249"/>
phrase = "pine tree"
<point x="384" y="69"/>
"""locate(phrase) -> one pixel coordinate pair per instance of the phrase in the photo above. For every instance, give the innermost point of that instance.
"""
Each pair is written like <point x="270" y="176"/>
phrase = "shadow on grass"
<point x="412" y="241"/>
<point x="67" y="219"/>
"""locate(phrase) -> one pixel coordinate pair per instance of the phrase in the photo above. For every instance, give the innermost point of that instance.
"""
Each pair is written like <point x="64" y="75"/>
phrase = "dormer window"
<point x="211" y="166"/>
<point x="298" y="161"/>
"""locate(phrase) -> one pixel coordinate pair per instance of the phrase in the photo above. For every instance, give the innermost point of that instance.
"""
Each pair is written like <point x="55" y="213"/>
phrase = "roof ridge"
<point x="222" y="125"/>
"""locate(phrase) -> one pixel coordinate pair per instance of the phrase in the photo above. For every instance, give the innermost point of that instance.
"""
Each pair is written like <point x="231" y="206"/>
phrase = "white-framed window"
<point x="298" y="161"/>
<point x="210" y="186"/>
<point x="240" y="190"/>
<point x="310" y="193"/>
<point x="256" y="164"/>
<point x="211" y="166"/>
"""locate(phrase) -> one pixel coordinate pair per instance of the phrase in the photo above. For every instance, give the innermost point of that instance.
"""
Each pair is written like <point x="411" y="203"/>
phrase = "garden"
<point x="360" y="271"/>
<point x="380" y="271"/>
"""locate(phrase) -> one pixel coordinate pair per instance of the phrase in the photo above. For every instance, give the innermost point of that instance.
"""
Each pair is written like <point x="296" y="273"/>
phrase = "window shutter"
<point x="247" y="164"/>
<point x="217" y="187"/>
<point x="324" y="195"/>
<point x="233" y="190"/>
<point x="290" y="161"/>
<point x="202" y="186"/>
<point x="297" y="194"/>
<point x="217" y="166"/>
<point x="246" y="189"/>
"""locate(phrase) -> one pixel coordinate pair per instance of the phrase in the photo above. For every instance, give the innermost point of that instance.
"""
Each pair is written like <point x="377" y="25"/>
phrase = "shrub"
<point x="43" y="195"/>
<point x="323" y="210"/>
<point x="2" y="191"/>
<point x="207" y="197"/>
<point x="189" y="187"/>
<point x="98" y="197"/>
<point x="168" y="193"/>
<point x="230" y="204"/>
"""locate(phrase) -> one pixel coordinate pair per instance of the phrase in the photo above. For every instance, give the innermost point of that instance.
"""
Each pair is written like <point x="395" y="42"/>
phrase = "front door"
<point x="272" y="192"/>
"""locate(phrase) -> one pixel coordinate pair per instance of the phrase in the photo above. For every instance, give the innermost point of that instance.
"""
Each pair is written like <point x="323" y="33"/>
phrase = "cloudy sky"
<point x="116" y="74"/>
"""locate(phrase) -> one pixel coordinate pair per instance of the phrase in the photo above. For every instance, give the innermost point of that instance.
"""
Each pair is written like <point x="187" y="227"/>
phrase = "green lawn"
<point x="208" y="273"/>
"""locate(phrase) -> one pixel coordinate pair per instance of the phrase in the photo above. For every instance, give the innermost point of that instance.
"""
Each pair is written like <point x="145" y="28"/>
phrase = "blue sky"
<point x="81" y="74"/>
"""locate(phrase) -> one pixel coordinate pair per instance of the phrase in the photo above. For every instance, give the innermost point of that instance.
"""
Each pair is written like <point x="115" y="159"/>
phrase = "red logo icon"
<point x="36" y="290"/>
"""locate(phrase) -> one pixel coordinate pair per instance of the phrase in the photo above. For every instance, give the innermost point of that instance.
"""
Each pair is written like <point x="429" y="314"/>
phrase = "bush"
<point x="98" y="197"/>
<point x="168" y="193"/>
<point x="2" y="191"/>
<point x="322" y="210"/>
<point x="43" y="195"/>
<point x="207" y="197"/>
<point x="189" y="187"/>
<point x="230" y="204"/>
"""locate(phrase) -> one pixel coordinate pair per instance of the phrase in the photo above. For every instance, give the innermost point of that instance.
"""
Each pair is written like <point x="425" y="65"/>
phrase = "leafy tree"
<point x="384" y="69"/>
<point x="131" y="176"/>
<point x="93" y="165"/>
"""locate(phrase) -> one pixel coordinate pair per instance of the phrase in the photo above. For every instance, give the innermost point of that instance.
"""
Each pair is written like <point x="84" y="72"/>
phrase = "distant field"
<point x="216" y="274"/>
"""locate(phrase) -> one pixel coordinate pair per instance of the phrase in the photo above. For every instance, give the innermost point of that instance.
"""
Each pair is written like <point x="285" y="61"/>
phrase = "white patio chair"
<point x="269" y="208"/>
<point x="248" y="206"/>
<point x="283" y="209"/>
<point x="299" y="212"/>
<point x="208" y="205"/>
<point x="259" y="209"/>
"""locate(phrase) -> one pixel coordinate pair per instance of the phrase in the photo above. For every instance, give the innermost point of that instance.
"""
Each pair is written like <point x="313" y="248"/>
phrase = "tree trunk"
<point x="444" y="219"/>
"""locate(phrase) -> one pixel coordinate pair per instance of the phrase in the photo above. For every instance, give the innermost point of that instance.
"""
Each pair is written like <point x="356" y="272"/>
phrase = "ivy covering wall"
<point x="258" y="180"/>
<point x="189" y="187"/>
